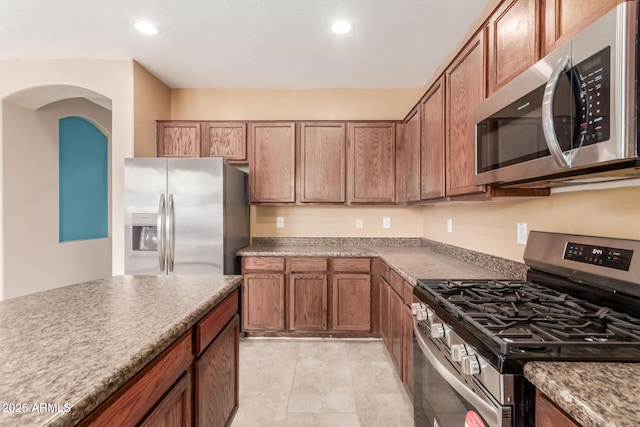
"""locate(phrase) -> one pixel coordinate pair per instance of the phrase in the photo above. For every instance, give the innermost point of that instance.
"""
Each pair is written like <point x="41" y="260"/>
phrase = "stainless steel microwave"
<point x="571" y="115"/>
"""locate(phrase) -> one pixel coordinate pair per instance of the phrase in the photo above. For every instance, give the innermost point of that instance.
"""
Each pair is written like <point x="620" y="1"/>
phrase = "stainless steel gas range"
<point x="580" y="302"/>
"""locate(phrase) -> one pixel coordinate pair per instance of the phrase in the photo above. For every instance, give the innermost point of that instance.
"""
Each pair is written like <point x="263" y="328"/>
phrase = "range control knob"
<point x="421" y="313"/>
<point x="438" y="330"/>
<point x="458" y="351"/>
<point x="470" y="365"/>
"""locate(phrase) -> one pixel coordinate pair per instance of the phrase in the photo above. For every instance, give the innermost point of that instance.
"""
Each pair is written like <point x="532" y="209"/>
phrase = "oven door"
<point x="443" y="397"/>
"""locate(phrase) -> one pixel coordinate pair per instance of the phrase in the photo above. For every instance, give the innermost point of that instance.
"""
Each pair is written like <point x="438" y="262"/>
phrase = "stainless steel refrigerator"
<point x="184" y="216"/>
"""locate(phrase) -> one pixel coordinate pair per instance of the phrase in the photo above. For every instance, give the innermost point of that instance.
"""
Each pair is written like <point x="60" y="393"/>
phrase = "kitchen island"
<point x="66" y="350"/>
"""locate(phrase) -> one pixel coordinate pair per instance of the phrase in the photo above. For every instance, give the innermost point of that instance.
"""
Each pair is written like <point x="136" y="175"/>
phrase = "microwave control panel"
<point x="594" y="106"/>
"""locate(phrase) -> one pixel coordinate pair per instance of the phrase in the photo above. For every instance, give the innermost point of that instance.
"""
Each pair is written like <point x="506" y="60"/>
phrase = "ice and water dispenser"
<point x="144" y="231"/>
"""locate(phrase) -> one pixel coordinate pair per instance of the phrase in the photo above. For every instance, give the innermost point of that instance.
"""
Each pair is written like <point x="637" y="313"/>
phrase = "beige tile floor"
<point x="319" y="383"/>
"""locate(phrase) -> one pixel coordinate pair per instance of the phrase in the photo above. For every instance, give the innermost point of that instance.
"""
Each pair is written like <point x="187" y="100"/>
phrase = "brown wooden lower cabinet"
<point x="308" y="297"/>
<point x="263" y="302"/>
<point x="175" y="409"/>
<point x="166" y="394"/>
<point x="351" y="302"/>
<point x="308" y="302"/>
<point x="407" y="348"/>
<point x="548" y="414"/>
<point x="396" y="328"/>
<point x="216" y="373"/>
<point x="385" y="288"/>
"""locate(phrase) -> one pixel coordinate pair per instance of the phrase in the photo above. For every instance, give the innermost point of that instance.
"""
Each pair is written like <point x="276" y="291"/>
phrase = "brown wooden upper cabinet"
<point x="565" y="18"/>
<point x="465" y="85"/>
<point x="202" y="139"/>
<point x="371" y="162"/>
<point x="224" y="139"/>
<point x="178" y="139"/>
<point x="409" y="173"/>
<point x="272" y="162"/>
<point x="513" y="36"/>
<point x="322" y="158"/>
<point x="432" y="143"/>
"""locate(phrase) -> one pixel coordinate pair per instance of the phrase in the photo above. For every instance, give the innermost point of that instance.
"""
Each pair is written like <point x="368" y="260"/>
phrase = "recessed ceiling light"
<point x="146" y="27"/>
<point x="341" y="27"/>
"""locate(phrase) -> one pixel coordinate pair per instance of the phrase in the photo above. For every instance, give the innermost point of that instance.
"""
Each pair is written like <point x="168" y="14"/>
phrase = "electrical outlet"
<point x="522" y="233"/>
<point x="280" y="222"/>
<point x="386" y="222"/>
<point x="359" y="223"/>
<point x="449" y="225"/>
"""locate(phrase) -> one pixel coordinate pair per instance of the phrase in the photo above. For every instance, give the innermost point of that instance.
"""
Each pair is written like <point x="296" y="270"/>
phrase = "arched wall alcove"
<point x="34" y="257"/>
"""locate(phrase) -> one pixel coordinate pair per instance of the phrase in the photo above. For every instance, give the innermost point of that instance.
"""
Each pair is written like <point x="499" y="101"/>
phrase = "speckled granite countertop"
<point x="594" y="394"/>
<point x="78" y="344"/>
<point x="411" y="262"/>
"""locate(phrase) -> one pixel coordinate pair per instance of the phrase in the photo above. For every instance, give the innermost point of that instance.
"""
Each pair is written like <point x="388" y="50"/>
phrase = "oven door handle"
<point x="548" y="129"/>
<point x="488" y="411"/>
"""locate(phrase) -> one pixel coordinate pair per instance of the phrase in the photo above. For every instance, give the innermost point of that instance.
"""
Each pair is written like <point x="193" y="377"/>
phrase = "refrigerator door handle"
<point x="161" y="233"/>
<point x="172" y="233"/>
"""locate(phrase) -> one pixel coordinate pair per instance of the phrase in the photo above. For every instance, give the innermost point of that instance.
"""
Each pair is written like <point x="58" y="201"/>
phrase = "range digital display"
<point x="620" y="259"/>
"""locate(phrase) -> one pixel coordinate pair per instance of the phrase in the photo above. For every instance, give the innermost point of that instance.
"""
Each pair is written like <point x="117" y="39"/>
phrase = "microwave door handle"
<point x="171" y="232"/>
<point x="548" y="128"/>
<point x="160" y="233"/>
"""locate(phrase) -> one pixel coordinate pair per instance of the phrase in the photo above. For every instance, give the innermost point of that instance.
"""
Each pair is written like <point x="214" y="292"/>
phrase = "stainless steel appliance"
<point x="572" y="114"/>
<point x="184" y="216"/>
<point x="580" y="302"/>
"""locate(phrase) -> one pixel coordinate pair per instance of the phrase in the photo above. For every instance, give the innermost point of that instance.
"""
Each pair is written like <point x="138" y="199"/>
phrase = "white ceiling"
<point x="248" y="43"/>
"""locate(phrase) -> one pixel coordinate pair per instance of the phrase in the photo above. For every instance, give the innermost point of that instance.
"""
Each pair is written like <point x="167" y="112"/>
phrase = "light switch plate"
<point x="449" y="225"/>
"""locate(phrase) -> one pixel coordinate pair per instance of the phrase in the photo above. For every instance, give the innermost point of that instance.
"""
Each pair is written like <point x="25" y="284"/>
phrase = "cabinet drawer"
<point x="397" y="283"/>
<point x="263" y="264"/>
<point x="211" y="325"/>
<point x="352" y="265"/>
<point x="408" y="292"/>
<point x="128" y="406"/>
<point x="308" y="264"/>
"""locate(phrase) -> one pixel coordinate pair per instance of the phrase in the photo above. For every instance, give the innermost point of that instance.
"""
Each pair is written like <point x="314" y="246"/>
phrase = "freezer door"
<point x="194" y="216"/>
<point x="145" y="186"/>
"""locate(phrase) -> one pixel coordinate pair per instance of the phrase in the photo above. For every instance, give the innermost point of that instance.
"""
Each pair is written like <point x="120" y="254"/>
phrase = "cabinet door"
<point x="308" y="302"/>
<point x="175" y="409"/>
<point x="228" y="140"/>
<point x="395" y="329"/>
<point x="322" y="163"/>
<point x="272" y="162"/>
<point x="216" y="373"/>
<point x="263" y="302"/>
<point x="371" y="162"/>
<point x="351" y="302"/>
<point x="432" y="165"/>
<point x="410" y="171"/>
<point x="548" y="414"/>
<point x="407" y="348"/>
<point x="513" y="40"/>
<point x="178" y="139"/>
<point x="465" y="79"/>
<point x="565" y="18"/>
<point x="384" y="312"/>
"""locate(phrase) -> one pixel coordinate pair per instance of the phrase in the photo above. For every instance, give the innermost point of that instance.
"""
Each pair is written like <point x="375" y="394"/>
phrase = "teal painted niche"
<point x="84" y="180"/>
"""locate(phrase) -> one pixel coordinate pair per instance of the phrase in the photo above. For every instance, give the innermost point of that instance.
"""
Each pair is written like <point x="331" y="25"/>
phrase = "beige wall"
<point x="36" y="260"/>
<point x="335" y="221"/>
<point x="108" y="80"/>
<point x="151" y="102"/>
<point x="491" y="227"/>
<point x="291" y="104"/>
